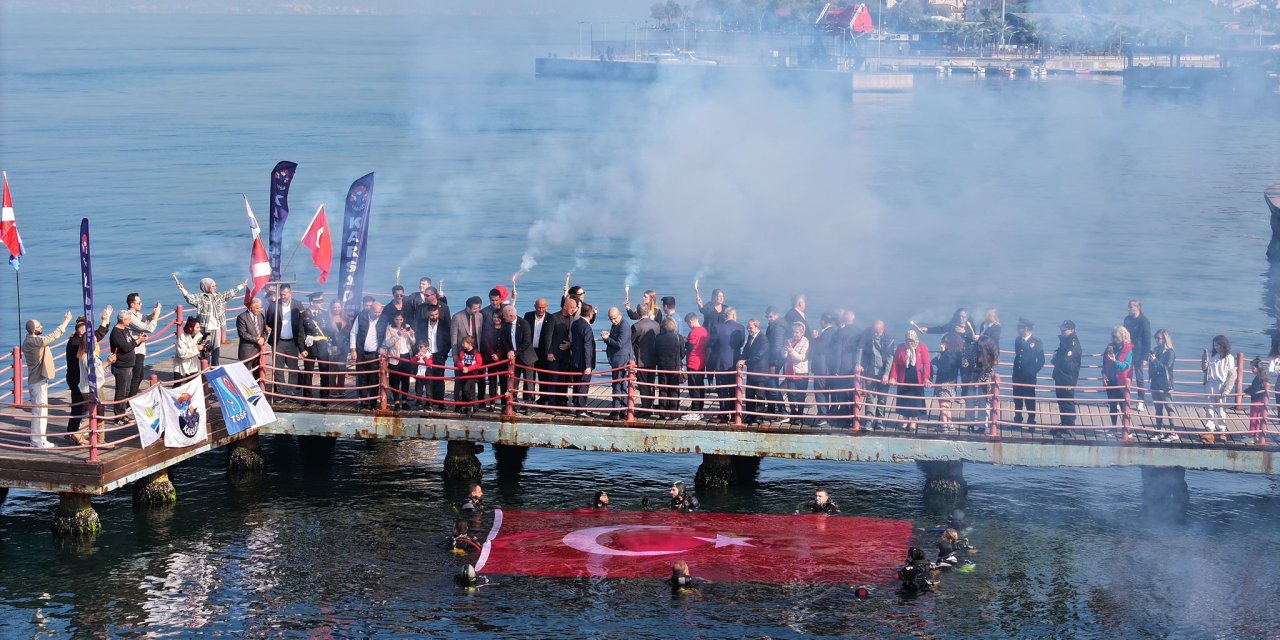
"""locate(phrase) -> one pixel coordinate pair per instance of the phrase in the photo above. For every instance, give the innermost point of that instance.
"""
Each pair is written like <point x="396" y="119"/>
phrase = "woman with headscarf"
<point x="211" y="309"/>
<point x="911" y="371"/>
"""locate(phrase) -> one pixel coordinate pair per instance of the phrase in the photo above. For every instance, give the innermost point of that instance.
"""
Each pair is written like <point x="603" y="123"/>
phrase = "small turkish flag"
<point x="861" y="22"/>
<point x="718" y="546"/>
<point x="317" y="240"/>
<point x="259" y="266"/>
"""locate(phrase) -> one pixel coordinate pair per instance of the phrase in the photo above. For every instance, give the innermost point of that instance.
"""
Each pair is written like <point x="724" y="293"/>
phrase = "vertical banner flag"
<point x="183" y="415"/>
<point x="9" y="228"/>
<point x="317" y="240"/>
<point x="281" y="176"/>
<point x="355" y="231"/>
<point x="86" y="280"/>
<point x="243" y="404"/>
<point x="259" y="269"/>
<point x="148" y="411"/>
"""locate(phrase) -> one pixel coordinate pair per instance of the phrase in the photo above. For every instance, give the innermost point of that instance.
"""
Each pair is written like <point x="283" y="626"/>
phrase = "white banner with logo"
<point x="185" y="417"/>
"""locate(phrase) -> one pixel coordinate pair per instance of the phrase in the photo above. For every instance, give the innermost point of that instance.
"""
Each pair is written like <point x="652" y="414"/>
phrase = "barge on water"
<point x="692" y="69"/>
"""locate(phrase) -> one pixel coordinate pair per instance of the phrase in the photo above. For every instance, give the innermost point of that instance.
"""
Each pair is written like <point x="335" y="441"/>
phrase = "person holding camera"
<point x="193" y="346"/>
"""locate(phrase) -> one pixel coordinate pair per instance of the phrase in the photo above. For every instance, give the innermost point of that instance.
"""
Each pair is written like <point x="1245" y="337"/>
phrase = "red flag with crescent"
<point x="259" y="263"/>
<point x="317" y="240"/>
<point x="728" y="547"/>
<point x="9" y="228"/>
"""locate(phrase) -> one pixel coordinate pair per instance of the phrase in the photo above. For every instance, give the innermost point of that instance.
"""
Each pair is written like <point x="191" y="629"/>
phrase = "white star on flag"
<point x="723" y="540"/>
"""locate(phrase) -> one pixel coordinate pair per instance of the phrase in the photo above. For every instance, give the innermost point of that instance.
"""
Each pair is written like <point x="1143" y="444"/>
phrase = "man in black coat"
<point x="872" y="359"/>
<point x="756" y="357"/>
<point x="288" y="335"/>
<point x="724" y="349"/>
<point x="540" y="323"/>
<point x="819" y="346"/>
<point x="669" y="348"/>
<point x="1028" y="360"/>
<point x="1066" y="373"/>
<point x="517" y="343"/>
<point x="644" y="343"/>
<point x="797" y="314"/>
<point x="779" y="334"/>
<point x="582" y="356"/>
<point x="436" y="336"/>
<point x="841" y="362"/>
<point x="558" y="354"/>
<point x="251" y="327"/>
<point x="1139" y="327"/>
<point x="617" y="346"/>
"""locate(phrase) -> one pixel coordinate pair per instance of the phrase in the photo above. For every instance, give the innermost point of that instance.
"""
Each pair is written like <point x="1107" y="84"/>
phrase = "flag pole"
<point x="17" y="280"/>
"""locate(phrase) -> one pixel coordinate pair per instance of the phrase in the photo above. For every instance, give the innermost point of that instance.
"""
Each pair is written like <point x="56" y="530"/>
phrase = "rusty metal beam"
<point x="863" y="448"/>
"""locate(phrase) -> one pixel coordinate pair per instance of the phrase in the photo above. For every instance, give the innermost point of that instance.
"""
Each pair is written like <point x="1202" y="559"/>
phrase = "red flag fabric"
<point x="259" y="264"/>
<point x="861" y="22"/>
<point x="317" y="240"/>
<point x="9" y="228"/>
<point x="726" y="547"/>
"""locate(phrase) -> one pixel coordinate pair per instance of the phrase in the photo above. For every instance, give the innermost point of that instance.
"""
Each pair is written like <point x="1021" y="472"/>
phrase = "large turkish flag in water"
<point x="718" y="546"/>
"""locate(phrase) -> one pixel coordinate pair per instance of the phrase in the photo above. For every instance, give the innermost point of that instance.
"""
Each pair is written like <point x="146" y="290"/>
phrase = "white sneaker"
<point x="1209" y="426"/>
<point x="45" y="445"/>
<point x="690" y="417"/>
<point x="1142" y="407"/>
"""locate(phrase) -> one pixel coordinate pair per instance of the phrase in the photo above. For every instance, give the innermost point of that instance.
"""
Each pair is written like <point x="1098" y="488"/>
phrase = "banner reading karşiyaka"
<point x="281" y="177"/>
<point x="86" y="280"/>
<point x="355" y="232"/>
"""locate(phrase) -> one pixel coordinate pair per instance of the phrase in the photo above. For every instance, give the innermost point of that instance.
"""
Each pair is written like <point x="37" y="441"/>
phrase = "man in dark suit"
<point x="464" y="324"/>
<point x="1066" y="374"/>
<point x="644" y="342"/>
<point x="846" y="345"/>
<point x="756" y="355"/>
<point x="288" y="333"/>
<point x="724" y="349"/>
<point x="436" y="336"/>
<point x="558" y="355"/>
<point x="582" y="356"/>
<point x="420" y="306"/>
<point x="1028" y="360"/>
<point x="325" y="356"/>
<point x="617" y="346"/>
<point x="251" y="327"/>
<point x="517" y="344"/>
<point x="796" y="314"/>
<point x="872" y="360"/>
<point x="364" y="346"/>
<point x="779" y="334"/>
<point x="669" y="348"/>
<point x="539" y="322"/>
<point x="820" y="365"/>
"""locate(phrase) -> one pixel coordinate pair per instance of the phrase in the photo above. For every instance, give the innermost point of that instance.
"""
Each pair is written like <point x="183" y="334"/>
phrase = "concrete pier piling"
<point x="460" y="461"/>
<point x="244" y="458"/>
<point x="155" y="490"/>
<point x="76" y="516"/>
<point x="317" y="451"/>
<point x="944" y="484"/>
<point x="4" y="494"/>
<point x="1164" y="492"/>
<point x="510" y="458"/>
<point x="722" y="471"/>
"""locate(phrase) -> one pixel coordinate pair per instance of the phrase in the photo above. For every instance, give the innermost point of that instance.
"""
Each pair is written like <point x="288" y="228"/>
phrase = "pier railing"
<point x="502" y="389"/>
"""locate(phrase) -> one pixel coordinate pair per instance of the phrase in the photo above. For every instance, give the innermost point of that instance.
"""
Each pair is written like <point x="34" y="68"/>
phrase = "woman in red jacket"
<point x="911" y="371"/>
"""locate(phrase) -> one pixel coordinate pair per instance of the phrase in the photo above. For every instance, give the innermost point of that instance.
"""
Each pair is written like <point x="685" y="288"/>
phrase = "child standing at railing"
<point x="1257" y="391"/>
<point x="421" y="367"/>
<point x="469" y="361"/>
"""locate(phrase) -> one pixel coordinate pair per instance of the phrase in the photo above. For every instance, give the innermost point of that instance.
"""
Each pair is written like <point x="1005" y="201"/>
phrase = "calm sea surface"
<point x="1054" y="199"/>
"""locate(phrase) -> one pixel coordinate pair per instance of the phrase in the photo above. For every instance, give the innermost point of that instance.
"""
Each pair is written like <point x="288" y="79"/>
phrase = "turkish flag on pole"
<point x="9" y="228"/>
<point x="861" y="22"/>
<point x="317" y="240"/>
<point x="259" y="264"/>
<point x="726" y="547"/>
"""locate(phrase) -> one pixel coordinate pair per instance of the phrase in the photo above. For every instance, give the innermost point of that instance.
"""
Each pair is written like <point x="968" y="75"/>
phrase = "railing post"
<point x="265" y="377"/>
<point x="857" y="402"/>
<point x="177" y="325"/>
<point x="1239" y="380"/>
<point x="17" y="375"/>
<point x="1126" y="418"/>
<point x="993" y="428"/>
<point x="510" y="409"/>
<point x="155" y="380"/>
<point x="631" y="392"/>
<point x="739" y="393"/>
<point x="382" y="382"/>
<point x="93" y="426"/>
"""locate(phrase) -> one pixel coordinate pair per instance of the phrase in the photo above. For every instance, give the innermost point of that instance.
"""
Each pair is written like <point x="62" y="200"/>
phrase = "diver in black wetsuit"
<point x="601" y="501"/>
<point x="681" y="501"/>
<point x="462" y="541"/>
<point x="952" y="551"/>
<point x="474" y="504"/>
<point x="915" y="573"/>
<point x="821" y="503"/>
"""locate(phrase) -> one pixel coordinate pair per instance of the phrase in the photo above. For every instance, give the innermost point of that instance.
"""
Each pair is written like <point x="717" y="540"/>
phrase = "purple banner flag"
<point x="86" y="279"/>
<point x="281" y="177"/>
<point x="355" y="231"/>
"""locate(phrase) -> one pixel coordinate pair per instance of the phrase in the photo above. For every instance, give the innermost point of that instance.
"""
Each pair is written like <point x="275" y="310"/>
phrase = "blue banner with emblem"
<point x="281" y="177"/>
<point x="86" y="280"/>
<point x="355" y="233"/>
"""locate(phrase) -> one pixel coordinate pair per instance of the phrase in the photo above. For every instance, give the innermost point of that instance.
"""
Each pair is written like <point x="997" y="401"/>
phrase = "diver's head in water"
<point x="957" y="519"/>
<point x="680" y="576"/>
<point x="915" y="554"/>
<point x="950" y="536"/>
<point x="677" y="489"/>
<point x="601" y="500"/>
<point x="821" y="497"/>
<point x="476" y="492"/>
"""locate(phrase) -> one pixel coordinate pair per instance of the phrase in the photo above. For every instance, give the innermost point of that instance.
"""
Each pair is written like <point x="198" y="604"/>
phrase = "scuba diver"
<point x="953" y="553"/>
<point x="468" y="579"/>
<point x="474" y="504"/>
<point x="915" y="573"/>
<point x="681" y="581"/>
<point x="462" y="542"/>
<point x="681" y="501"/>
<point x="821" y="503"/>
<point x="601" y="501"/>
